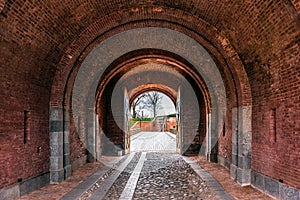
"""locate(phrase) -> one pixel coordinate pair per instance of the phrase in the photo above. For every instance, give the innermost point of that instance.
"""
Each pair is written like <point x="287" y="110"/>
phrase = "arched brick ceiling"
<point x="36" y="35"/>
<point x="151" y="73"/>
<point x="134" y="93"/>
<point x="51" y="26"/>
<point x="152" y="66"/>
<point x="43" y="38"/>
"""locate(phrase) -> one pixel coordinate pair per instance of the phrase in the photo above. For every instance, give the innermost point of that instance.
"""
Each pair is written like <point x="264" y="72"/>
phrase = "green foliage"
<point x="147" y="119"/>
<point x="134" y="120"/>
<point x="172" y="115"/>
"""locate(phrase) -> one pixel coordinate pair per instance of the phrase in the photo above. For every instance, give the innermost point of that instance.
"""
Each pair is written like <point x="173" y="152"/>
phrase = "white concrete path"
<point x="153" y="141"/>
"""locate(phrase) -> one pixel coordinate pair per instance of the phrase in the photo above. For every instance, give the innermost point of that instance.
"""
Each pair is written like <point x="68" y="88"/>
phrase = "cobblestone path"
<point x="168" y="176"/>
<point x="119" y="185"/>
<point x="153" y="170"/>
<point x="154" y="175"/>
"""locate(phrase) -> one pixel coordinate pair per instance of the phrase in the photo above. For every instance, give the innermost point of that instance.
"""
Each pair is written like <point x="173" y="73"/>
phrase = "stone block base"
<point x="78" y="162"/>
<point x="68" y="171"/>
<point x="243" y="176"/>
<point x="57" y="176"/>
<point x="233" y="169"/>
<point x="25" y="187"/>
<point x="10" y="193"/>
<point x="224" y="162"/>
<point x="274" y="188"/>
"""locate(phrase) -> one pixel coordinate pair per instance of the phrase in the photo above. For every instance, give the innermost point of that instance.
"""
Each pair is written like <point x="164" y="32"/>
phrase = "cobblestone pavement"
<point x="55" y="192"/>
<point x="115" y="191"/>
<point x="101" y="180"/>
<point x="149" y="174"/>
<point x="168" y="176"/>
<point x="161" y="176"/>
<point x="155" y="175"/>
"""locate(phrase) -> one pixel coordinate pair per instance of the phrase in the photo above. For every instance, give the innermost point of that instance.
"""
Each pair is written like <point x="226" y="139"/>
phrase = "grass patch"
<point x="134" y="120"/>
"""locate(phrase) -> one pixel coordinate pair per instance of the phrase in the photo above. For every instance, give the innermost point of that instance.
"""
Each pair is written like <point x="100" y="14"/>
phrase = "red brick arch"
<point x="224" y="44"/>
<point x="217" y="44"/>
<point x="232" y="75"/>
<point x="181" y="69"/>
<point x="255" y="45"/>
<point x="133" y="94"/>
<point x="224" y="55"/>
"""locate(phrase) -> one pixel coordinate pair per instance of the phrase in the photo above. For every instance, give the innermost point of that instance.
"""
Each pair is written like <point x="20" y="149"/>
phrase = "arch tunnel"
<point x="100" y="88"/>
<point x="70" y="70"/>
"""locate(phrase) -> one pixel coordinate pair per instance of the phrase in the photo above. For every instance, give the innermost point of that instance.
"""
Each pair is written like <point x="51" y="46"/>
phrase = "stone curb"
<point x="80" y="189"/>
<point x="210" y="181"/>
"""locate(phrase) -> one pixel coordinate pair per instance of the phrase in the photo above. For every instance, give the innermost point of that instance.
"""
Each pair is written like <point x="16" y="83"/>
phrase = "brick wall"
<point x="276" y="119"/>
<point x="155" y="126"/>
<point x="152" y="126"/>
<point x="77" y="137"/>
<point x="24" y="153"/>
<point x="113" y="128"/>
<point x="41" y="39"/>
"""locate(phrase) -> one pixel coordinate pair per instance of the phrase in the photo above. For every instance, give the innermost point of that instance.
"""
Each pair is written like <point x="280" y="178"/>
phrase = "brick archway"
<point x="255" y="45"/>
<point x="133" y="94"/>
<point x="240" y="114"/>
<point x="157" y="66"/>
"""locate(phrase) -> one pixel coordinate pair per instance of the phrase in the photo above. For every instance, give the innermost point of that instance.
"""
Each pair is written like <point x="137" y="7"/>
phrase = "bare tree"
<point x="139" y="100"/>
<point x="153" y="101"/>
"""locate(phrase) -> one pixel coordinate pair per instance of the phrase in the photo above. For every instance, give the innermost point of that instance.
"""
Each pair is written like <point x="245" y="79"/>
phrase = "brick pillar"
<point x="98" y="138"/>
<point x="190" y="119"/>
<point x="234" y="162"/>
<point x="60" y="167"/>
<point x="56" y="145"/>
<point x="241" y="145"/>
<point x="66" y="145"/>
<point x="126" y="122"/>
<point x="203" y="129"/>
<point x="211" y="148"/>
<point x="91" y="135"/>
<point x="113" y="139"/>
<point x="213" y="133"/>
<point x="179" y="122"/>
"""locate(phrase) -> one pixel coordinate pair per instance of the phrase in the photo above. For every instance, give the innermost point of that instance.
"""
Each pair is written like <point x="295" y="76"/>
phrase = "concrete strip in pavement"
<point x="101" y="192"/>
<point x="129" y="189"/>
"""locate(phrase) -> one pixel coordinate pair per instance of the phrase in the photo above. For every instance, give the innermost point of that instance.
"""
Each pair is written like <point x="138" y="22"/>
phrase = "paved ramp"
<point x="153" y="141"/>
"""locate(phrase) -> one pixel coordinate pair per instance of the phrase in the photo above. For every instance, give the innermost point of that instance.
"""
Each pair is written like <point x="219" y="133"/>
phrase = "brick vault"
<point x="70" y="70"/>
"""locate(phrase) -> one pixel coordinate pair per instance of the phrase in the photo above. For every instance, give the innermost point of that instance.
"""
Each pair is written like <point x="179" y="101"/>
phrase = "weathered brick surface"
<point x="278" y="157"/>
<point x="77" y="137"/>
<point x="41" y="42"/>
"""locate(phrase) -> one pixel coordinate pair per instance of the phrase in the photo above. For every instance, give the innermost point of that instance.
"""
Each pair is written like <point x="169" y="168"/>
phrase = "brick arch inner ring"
<point x="174" y="42"/>
<point x="179" y="70"/>
<point x="210" y="38"/>
<point x="131" y="60"/>
<point x="133" y="94"/>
